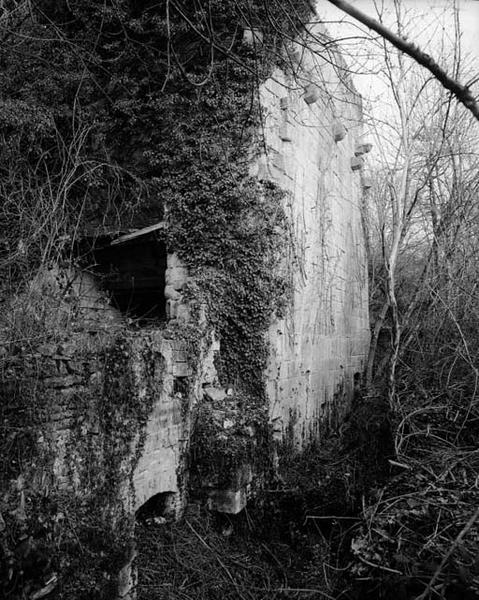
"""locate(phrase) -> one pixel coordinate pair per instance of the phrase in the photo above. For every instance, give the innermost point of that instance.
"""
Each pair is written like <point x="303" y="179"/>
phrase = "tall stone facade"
<point x="313" y="131"/>
<point x="315" y="152"/>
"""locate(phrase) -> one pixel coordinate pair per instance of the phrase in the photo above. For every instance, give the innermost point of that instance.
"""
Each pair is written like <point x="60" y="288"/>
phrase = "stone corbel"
<point x="366" y="182"/>
<point x="357" y="163"/>
<point x="311" y="93"/>
<point x="339" y="131"/>
<point x="361" y="149"/>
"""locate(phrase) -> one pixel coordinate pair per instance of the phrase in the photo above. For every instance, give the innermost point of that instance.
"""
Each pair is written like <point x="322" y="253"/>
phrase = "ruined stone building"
<point x="314" y="151"/>
<point x="161" y="369"/>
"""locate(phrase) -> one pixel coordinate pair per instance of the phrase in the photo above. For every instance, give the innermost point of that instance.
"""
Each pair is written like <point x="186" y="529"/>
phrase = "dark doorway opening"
<point x="133" y="275"/>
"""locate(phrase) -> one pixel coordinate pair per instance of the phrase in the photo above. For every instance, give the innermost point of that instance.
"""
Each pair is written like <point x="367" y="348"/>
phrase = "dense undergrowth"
<point x="419" y="533"/>
<point x="383" y="508"/>
<point x="353" y="517"/>
<point x="292" y="540"/>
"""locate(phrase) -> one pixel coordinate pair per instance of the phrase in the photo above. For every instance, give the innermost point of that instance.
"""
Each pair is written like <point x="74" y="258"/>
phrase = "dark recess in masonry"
<point x="160" y="505"/>
<point x="132" y="274"/>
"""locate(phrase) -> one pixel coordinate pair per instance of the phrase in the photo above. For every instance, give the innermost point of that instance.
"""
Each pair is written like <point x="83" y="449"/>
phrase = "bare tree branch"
<point x="462" y="92"/>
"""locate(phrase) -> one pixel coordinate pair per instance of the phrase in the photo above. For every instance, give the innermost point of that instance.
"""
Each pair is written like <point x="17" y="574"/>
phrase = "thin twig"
<point x="454" y="545"/>
<point x="230" y="577"/>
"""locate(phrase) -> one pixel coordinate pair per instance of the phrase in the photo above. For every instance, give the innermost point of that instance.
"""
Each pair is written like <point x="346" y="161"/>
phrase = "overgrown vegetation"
<point x="119" y="114"/>
<point x="116" y="115"/>
<point x="126" y="114"/>
<point x="204" y="558"/>
<point x="73" y="539"/>
<point x="292" y="541"/>
<point x="228" y="437"/>
<point x="418" y="536"/>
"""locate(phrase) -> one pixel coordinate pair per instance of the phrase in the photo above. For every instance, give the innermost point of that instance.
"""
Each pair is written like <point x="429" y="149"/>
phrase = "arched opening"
<point x="158" y="509"/>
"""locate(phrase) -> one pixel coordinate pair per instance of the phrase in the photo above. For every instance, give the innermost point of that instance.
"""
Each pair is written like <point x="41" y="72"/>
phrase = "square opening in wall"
<point x="132" y="274"/>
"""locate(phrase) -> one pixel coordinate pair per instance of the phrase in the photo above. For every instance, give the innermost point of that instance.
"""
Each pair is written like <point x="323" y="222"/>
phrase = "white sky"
<point x="426" y="27"/>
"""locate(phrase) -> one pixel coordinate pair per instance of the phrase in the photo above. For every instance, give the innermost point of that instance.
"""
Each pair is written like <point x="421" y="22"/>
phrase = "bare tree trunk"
<point x="378" y="326"/>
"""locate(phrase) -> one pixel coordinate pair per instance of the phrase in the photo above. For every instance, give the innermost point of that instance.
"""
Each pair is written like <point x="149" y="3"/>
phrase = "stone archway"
<point x="159" y="508"/>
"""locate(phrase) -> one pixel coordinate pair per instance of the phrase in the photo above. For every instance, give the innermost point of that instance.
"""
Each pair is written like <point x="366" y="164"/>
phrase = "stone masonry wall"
<point x="67" y="379"/>
<point x="314" y="152"/>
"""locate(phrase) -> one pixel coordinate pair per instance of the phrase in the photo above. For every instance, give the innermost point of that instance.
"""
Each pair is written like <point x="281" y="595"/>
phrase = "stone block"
<point x="179" y="355"/>
<point x="361" y="149"/>
<point x="183" y="312"/>
<point x="366" y="182"/>
<point x="339" y="131"/>
<point x="173" y="261"/>
<point x="253" y="36"/>
<point x="311" y="93"/>
<point x="176" y="277"/>
<point x="181" y="369"/>
<point x="286" y="132"/>
<point x="357" y="163"/>
<point x="216" y="394"/>
<point x="171" y="293"/>
<point x="228" y="501"/>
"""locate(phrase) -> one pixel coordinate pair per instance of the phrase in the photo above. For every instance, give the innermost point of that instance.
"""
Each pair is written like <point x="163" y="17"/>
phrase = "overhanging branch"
<point x="462" y="92"/>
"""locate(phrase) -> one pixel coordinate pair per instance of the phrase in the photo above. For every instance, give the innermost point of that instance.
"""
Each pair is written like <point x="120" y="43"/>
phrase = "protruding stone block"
<point x="284" y="103"/>
<point x="253" y="36"/>
<point x="311" y="93"/>
<point x="357" y="163"/>
<point x="172" y="261"/>
<point x="176" y="277"/>
<point x="171" y="293"/>
<point x="367" y="182"/>
<point x="214" y="393"/>
<point x="339" y="131"/>
<point x="181" y="369"/>
<point x="362" y="149"/>
<point x="286" y="133"/>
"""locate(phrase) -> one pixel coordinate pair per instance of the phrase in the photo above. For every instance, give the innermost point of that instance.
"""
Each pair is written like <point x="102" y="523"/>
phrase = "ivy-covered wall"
<point x="117" y="115"/>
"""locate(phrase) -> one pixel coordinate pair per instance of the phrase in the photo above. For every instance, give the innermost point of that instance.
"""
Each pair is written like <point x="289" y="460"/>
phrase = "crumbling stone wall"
<point x="314" y="151"/>
<point x="111" y="397"/>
